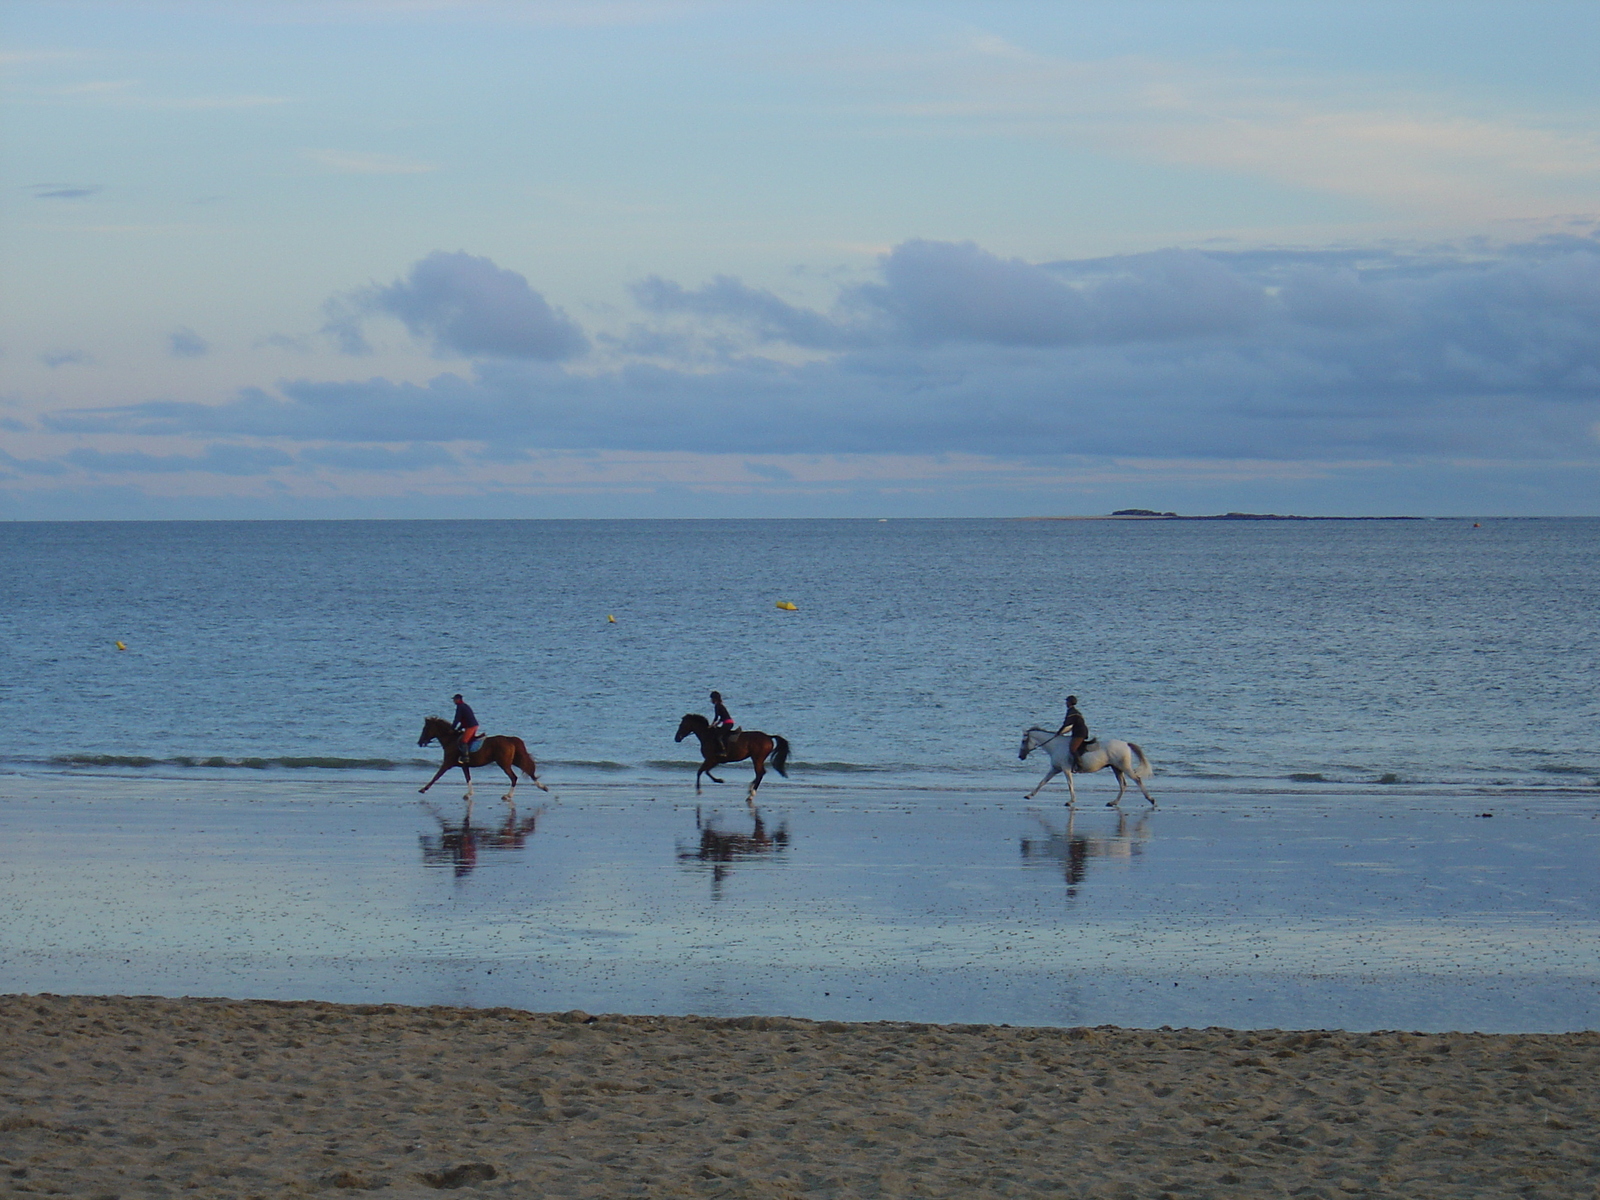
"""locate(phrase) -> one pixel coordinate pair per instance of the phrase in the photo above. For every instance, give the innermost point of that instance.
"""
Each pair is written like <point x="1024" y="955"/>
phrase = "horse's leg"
<point x="447" y="765"/>
<point x="1048" y="776"/>
<point x="1071" y="791"/>
<point x="505" y="764"/>
<point x="760" y="763"/>
<point x="1145" y="791"/>
<point x="1122" y="786"/>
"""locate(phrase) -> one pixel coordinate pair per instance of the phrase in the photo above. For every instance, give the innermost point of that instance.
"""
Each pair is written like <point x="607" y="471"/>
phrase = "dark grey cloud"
<point x="767" y="315"/>
<point x="465" y="306"/>
<point x="218" y="459"/>
<point x="29" y="466"/>
<point x="1176" y="354"/>
<point x="66" y="358"/>
<point x="379" y="458"/>
<point x="186" y="343"/>
<point x="65" y="191"/>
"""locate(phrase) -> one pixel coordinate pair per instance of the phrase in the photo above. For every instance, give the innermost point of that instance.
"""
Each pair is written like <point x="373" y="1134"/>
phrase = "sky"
<point x="669" y="258"/>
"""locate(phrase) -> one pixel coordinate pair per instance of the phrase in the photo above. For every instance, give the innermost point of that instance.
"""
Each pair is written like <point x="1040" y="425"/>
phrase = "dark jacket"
<point x="1074" y="724"/>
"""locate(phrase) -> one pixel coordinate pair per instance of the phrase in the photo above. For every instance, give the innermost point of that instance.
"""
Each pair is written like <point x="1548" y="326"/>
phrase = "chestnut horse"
<point x="748" y="743"/>
<point x="502" y="752"/>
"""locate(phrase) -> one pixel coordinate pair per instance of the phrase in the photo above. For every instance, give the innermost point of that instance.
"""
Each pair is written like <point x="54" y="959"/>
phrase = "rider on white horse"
<point x="1079" y="727"/>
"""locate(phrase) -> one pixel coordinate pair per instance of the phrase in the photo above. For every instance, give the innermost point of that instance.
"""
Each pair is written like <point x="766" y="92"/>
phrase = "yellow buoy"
<point x="120" y="646"/>
<point x="610" y="619"/>
<point x="787" y="607"/>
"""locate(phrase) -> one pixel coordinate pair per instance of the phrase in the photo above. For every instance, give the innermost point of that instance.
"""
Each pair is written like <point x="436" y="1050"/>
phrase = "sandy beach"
<point x="135" y="1097"/>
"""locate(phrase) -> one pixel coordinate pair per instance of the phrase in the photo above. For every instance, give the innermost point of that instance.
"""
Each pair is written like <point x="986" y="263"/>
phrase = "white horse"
<point x="1126" y="760"/>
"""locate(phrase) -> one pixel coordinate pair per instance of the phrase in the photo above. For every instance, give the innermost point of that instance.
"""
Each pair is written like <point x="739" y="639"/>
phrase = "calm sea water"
<point x="1371" y="655"/>
<point x="1416" y="653"/>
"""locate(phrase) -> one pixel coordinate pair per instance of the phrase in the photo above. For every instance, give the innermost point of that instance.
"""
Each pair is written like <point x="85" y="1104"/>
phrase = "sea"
<point x="1374" y="746"/>
<point x="1387" y="655"/>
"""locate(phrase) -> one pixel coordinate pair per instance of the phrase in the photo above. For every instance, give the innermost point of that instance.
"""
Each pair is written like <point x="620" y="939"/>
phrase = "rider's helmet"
<point x="1072" y="701"/>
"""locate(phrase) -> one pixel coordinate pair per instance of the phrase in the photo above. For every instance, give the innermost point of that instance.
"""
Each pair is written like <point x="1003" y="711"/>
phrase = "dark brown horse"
<point x="503" y="752"/>
<point x="748" y="743"/>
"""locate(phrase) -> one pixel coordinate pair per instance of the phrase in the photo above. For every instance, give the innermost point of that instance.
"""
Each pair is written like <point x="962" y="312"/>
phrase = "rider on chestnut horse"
<point x="721" y="721"/>
<point x="466" y="724"/>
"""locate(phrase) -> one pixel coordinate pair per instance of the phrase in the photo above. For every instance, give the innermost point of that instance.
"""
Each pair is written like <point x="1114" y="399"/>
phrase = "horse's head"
<point x="691" y="723"/>
<point x="433" y="727"/>
<point x="1028" y="744"/>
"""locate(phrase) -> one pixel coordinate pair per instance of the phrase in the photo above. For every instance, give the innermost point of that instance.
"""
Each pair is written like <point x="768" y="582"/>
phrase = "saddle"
<point x="473" y="747"/>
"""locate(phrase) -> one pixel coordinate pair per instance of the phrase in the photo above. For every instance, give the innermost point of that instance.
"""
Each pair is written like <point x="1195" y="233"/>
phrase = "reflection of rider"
<point x="721" y="722"/>
<point x="466" y="723"/>
<point x="1074" y="722"/>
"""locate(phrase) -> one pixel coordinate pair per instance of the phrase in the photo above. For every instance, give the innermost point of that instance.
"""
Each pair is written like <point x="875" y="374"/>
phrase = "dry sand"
<point x="152" y="1097"/>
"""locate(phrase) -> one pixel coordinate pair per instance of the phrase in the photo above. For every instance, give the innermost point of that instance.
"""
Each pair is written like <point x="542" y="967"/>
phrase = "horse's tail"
<point x="780" y="755"/>
<point x="524" y="761"/>
<point x="1143" y="768"/>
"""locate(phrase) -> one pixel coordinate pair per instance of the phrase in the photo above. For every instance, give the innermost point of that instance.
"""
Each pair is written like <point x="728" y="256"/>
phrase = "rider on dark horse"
<point x="721" y="723"/>
<point x="1079" y="728"/>
<point x="466" y="724"/>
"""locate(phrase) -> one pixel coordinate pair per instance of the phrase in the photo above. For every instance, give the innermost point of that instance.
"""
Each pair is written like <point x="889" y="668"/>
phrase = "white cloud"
<point x="1358" y="136"/>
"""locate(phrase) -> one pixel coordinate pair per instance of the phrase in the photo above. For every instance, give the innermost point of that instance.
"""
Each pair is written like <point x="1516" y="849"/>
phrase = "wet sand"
<point x="860" y="904"/>
<point x="146" y="1097"/>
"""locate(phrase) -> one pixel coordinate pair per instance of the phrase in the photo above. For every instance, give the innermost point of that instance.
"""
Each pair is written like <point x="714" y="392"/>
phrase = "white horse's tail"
<point x="1143" y="768"/>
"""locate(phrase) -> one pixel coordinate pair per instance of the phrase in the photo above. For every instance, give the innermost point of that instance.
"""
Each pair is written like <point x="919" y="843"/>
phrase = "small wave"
<point x="1564" y="769"/>
<point x="291" y="762"/>
<point x="850" y="768"/>
<point x="587" y="764"/>
<point x="815" y="768"/>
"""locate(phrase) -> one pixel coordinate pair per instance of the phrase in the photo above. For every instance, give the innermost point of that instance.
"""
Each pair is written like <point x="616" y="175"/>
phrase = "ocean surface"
<point x="1375" y="744"/>
<point x="1377" y="655"/>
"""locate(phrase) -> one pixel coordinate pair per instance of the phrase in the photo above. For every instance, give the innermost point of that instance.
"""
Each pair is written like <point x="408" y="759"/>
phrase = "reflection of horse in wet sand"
<point x="747" y="743"/>
<point x="458" y="844"/>
<point x="1126" y="760"/>
<point x="721" y="849"/>
<point x="503" y="752"/>
<point x="1074" y="850"/>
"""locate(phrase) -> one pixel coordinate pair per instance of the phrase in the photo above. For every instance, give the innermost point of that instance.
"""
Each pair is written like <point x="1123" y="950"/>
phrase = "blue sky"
<point x="679" y="259"/>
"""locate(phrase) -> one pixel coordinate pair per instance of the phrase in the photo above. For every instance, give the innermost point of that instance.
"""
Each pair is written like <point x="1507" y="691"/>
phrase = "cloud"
<point x="217" y="460"/>
<point x="186" y="343"/>
<point x="65" y="191"/>
<point x="30" y="466"/>
<point x="1366" y="353"/>
<point x="1361" y="136"/>
<point x="379" y="458"/>
<point x="467" y="307"/>
<point x="66" y="358"/>
<point x="767" y="315"/>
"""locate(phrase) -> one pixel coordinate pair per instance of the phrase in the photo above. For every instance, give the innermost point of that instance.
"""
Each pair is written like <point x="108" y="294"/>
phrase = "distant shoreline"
<point x="1146" y="514"/>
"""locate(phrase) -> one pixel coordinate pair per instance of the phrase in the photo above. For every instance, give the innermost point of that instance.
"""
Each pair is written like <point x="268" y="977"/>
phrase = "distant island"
<point x="1150" y="513"/>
